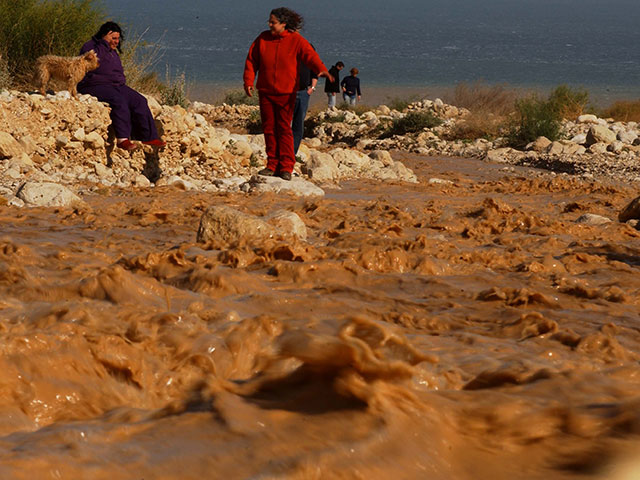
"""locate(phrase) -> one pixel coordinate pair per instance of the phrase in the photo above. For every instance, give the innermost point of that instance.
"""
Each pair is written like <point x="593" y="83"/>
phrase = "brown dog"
<point x="66" y="69"/>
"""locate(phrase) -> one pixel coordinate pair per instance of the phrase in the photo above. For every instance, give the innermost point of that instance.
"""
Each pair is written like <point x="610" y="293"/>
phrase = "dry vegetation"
<point x="623" y="111"/>
<point x="491" y="106"/>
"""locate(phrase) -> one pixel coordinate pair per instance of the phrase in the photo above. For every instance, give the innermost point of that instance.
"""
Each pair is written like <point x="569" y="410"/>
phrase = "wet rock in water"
<point x="288" y="223"/>
<point x="295" y="186"/>
<point x="46" y="194"/>
<point x="631" y="211"/>
<point x="592" y="219"/>
<point x="224" y="225"/>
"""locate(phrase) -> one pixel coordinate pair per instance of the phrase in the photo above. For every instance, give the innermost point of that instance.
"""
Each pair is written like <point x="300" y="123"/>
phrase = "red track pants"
<point x="276" y="113"/>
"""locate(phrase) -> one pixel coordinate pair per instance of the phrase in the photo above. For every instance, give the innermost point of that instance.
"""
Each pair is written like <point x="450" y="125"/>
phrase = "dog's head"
<point x="90" y="60"/>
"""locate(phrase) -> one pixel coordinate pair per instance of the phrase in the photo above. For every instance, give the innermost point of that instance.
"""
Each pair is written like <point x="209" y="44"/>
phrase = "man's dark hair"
<point x="340" y="64"/>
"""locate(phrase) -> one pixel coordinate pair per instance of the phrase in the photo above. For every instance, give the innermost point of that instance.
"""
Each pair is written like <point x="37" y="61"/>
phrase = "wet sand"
<point x="470" y="330"/>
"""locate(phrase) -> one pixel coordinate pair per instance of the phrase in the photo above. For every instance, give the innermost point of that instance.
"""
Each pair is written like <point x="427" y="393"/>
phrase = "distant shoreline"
<point x="373" y="95"/>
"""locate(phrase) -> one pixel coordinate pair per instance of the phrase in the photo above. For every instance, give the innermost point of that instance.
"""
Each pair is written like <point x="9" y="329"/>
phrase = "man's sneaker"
<point x="156" y="142"/>
<point x="128" y="145"/>
<point x="266" y="172"/>
<point x="285" y="175"/>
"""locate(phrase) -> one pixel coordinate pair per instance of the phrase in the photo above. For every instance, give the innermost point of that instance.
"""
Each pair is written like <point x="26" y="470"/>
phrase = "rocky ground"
<point x="54" y="148"/>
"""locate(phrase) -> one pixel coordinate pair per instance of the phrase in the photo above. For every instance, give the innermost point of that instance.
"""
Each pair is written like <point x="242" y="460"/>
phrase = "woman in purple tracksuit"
<point x="130" y="114"/>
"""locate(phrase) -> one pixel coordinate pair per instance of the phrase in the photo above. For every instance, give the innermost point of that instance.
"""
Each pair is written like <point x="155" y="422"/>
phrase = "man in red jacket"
<point x="276" y="55"/>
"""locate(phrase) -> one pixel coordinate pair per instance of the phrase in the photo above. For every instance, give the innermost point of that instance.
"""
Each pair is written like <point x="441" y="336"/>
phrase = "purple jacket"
<point x="110" y="71"/>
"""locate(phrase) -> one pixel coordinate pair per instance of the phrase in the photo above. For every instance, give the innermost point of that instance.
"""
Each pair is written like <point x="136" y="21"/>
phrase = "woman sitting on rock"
<point x="130" y="114"/>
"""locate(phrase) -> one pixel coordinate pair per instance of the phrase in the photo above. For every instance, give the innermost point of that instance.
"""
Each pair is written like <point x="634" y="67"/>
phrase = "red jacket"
<point x="277" y="59"/>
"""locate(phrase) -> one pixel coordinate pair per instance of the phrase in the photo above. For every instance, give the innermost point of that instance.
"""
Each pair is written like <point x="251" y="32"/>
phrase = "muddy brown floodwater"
<point x="470" y="330"/>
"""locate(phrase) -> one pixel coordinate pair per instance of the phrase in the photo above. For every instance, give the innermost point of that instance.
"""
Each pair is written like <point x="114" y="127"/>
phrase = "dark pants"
<point x="130" y="114"/>
<point x="276" y="113"/>
<point x="299" y="112"/>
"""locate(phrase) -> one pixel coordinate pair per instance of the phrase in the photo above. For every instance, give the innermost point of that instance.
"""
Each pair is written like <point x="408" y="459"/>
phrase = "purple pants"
<point x="130" y="114"/>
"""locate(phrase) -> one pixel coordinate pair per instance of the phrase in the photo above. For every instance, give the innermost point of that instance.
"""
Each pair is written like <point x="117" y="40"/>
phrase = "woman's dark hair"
<point x="293" y="20"/>
<point x="110" y="27"/>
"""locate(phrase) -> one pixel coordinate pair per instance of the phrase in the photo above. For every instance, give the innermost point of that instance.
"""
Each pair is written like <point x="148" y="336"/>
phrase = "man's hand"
<point x="327" y="75"/>
<point x="248" y="89"/>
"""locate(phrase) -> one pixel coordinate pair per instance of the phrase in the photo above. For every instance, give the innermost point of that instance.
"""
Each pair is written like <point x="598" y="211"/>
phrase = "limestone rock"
<point x="321" y="167"/>
<point x="295" y="186"/>
<point x="541" y="144"/>
<point x="600" y="134"/>
<point x="224" y="225"/>
<point x="382" y="156"/>
<point x="9" y="146"/>
<point x="587" y="118"/>
<point x="46" y="194"/>
<point x="592" y="219"/>
<point x="287" y="223"/>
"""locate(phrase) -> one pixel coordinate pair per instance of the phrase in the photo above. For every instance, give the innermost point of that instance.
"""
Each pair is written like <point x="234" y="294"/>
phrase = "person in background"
<point x="276" y="56"/>
<point x="130" y="114"/>
<point x="351" y="87"/>
<point x="307" y="81"/>
<point x="331" y="88"/>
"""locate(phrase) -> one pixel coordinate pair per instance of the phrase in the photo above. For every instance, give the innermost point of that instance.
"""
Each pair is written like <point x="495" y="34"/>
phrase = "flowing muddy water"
<point x="445" y="331"/>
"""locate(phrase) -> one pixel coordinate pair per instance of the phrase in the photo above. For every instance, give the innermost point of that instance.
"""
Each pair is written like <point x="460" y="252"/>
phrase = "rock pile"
<point x="56" y="140"/>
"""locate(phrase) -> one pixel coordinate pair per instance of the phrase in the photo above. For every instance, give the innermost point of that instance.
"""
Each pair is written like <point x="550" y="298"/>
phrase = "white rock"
<point x="383" y="156"/>
<point x="79" y="135"/>
<point x="141" y="181"/>
<point x="321" y="167"/>
<point x="287" y="223"/>
<point x="579" y="138"/>
<point x="627" y="137"/>
<point x="439" y="181"/>
<point x="43" y="194"/>
<point x="592" y="219"/>
<point x="587" y="118"/>
<point x="224" y="225"/>
<point x="600" y="133"/>
<point x="295" y="186"/>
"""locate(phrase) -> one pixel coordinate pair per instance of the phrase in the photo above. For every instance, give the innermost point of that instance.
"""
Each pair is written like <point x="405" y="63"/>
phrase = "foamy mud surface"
<point x="471" y="330"/>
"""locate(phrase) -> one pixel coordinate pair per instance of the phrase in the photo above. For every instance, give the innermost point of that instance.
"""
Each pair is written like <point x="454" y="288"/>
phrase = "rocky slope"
<point x="47" y="143"/>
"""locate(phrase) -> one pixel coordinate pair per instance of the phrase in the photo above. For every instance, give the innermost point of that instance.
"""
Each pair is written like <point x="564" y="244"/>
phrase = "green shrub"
<point x="31" y="28"/>
<point x="400" y="104"/>
<point x="239" y="97"/>
<point x="534" y="118"/>
<point x="174" y="91"/>
<point x="254" y="123"/>
<point x="569" y="102"/>
<point x="339" y="118"/>
<point x="413" y="122"/>
<point x="358" y="109"/>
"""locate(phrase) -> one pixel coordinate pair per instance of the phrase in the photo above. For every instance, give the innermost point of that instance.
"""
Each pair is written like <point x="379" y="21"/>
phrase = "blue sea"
<point x="403" y="44"/>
